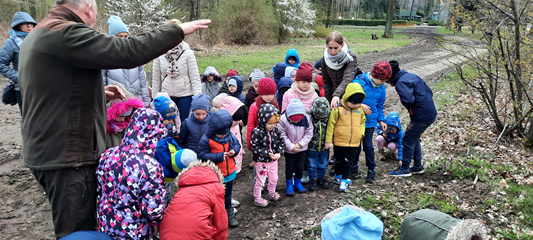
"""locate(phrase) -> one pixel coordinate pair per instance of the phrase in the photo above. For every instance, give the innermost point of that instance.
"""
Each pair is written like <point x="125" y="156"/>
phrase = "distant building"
<point x="442" y="13"/>
<point x="404" y="15"/>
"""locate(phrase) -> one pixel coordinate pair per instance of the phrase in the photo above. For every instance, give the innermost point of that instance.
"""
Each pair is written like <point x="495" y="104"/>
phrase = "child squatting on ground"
<point x="220" y="146"/>
<point x="267" y="147"/>
<point x="345" y="129"/>
<point x="297" y="131"/>
<point x="130" y="181"/>
<point x="317" y="154"/>
<point x="391" y="138"/>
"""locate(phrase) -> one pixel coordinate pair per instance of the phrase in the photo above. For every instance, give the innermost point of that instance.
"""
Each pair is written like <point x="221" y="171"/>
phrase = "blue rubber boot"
<point x="290" y="190"/>
<point x="298" y="185"/>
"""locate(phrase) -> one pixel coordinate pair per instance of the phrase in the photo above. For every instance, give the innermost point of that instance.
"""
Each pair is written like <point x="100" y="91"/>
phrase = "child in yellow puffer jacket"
<point x="346" y="127"/>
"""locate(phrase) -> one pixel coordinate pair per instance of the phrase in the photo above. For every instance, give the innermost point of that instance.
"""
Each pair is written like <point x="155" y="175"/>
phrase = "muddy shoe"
<point x="417" y="170"/>
<point x="261" y="202"/>
<point x="312" y="185"/>
<point x="332" y="171"/>
<point x="354" y="175"/>
<point x="370" y="176"/>
<point x="232" y="221"/>
<point x="381" y="155"/>
<point x="274" y="196"/>
<point x="322" y="183"/>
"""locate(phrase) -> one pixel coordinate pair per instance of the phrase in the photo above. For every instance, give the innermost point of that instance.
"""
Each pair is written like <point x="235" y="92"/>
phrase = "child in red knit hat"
<point x="301" y="89"/>
<point x="266" y="90"/>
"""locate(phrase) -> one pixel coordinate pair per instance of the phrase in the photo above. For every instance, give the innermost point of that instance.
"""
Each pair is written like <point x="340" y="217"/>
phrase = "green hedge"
<point x="359" y="22"/>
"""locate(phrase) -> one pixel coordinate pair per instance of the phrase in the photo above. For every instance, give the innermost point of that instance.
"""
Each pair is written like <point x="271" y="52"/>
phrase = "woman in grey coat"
<point x="21" y="25"/>
<point x="134" y="79"/>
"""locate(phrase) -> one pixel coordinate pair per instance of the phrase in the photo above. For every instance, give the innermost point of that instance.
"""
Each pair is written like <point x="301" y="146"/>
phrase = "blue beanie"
<point x="295" y="107"/>
<point x="166" y="108"/>
<point x="318" y="64"/>
<point x="182" y="159"/>
<point x="200" y="102"/>
<point x="116" y="26"/>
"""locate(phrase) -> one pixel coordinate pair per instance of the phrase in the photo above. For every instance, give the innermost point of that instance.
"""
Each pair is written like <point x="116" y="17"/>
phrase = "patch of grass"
<point x="448" y="88"/>
<point x="245" y="58"/>
<point x="444" y="30"/>
<point x="522" y="198"/>
<point x="466" y="167"/>
<point x="423" y="200"/>
<point x="313" y="232"/>
<point x="509" y="234"/>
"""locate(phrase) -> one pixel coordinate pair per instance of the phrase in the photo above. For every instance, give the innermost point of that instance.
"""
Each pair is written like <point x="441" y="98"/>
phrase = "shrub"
<point x="244" y="22"/>
<point x="433" y="22"/>
<point x="321" y="31"/>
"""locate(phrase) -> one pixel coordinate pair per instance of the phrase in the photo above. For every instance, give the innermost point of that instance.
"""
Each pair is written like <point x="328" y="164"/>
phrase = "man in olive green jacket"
<point x="64" y="113"/>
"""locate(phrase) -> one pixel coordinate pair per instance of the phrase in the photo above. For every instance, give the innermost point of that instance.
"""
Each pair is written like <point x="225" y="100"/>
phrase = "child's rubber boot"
<point x="322" y="183"/>
<point x="290" y="190"/>
<point x="298" y="185"/>
<point x="381" y="155"/>
<point x="344" y="185"/>
<point x="305" y="177"/>
<point x="232" y="221"/>
<point x="338" y="179"/>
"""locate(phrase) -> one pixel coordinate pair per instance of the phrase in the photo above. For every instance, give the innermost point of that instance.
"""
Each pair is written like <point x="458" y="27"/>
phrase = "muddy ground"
<point x="25" y="211"/>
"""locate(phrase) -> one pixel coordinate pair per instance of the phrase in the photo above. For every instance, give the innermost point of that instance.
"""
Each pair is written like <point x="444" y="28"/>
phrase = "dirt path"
<point x="25" y="212"/>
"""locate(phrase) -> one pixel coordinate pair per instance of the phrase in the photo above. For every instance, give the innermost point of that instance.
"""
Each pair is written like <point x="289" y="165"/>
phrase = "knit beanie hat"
<point x="239" y="114"/>
<point x="382" y="70"/>
<point x="166" y="108"/>
<point x="267" y="86"/>
<point x="395" y="66"/>
<point x="200" y="102"/>
<point x="231" y="73"/>
<point x="318" y="64"/>
<point x="274" y="119"/>
<point x="356" y="98"/>
<point x="232" y="82"/>
<point x="116" y="26"/>
<point x="182" y="159"/>
<point x="256" y="75"/>
<point x="304" y="73"/>
<point x="295" y="107"/>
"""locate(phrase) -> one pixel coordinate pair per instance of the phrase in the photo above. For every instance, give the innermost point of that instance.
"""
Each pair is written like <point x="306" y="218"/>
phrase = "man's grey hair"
<point x="77" y="3"/>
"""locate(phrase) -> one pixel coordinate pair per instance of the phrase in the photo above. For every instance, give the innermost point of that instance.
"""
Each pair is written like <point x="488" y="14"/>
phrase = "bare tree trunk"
<point x="390" y="18"/>
<point x="329" y="13"/>
<point x="192" y="16"/>
<point x="350" y="8"/>
<point x="411" y="13"/>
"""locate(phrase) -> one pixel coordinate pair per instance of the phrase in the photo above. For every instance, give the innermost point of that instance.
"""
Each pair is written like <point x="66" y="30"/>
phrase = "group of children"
<point x="285" y="116"/>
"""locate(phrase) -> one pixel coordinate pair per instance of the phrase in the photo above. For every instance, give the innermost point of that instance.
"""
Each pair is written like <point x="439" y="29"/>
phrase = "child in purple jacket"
<point x="296" y="130"/>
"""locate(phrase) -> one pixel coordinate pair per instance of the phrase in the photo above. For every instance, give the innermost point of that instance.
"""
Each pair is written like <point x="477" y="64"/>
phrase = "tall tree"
<point x="412" y="7"/>
<point x="390" y="19"/>
<point x="329" y="13"/>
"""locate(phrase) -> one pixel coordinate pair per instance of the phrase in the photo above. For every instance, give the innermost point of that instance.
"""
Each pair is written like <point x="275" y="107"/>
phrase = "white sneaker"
<point x="344" y="186"/>
<point x="235" y="211"/>
<point x="235" y="203"/>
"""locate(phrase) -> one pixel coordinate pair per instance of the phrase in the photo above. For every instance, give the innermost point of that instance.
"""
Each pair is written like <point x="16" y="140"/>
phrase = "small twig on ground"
<point x="475" y="181"/>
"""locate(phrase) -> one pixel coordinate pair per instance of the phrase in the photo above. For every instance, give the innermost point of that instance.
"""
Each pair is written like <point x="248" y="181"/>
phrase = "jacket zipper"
<point x="320" y="136"/>
<point x="225" y="159"/>
<point x="270" y="144"/>
<point x="351" y="129"/>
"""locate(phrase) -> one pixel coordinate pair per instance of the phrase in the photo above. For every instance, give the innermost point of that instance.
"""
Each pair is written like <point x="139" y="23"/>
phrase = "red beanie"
<point x="304" y="73"/>
<point x="266" y="86"/>
<point x="231" y="73"/>
<point x="382" y="71"/>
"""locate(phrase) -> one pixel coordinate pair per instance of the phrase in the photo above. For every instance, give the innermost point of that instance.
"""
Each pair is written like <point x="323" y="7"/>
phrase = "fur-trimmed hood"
<point x="468" y="228"/>
<point x="198" y="173"/>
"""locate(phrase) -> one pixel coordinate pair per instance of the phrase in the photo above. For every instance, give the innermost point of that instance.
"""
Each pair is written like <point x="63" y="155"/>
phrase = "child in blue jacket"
<point x="390" y="138"/>
<point x="194" y="127"/>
